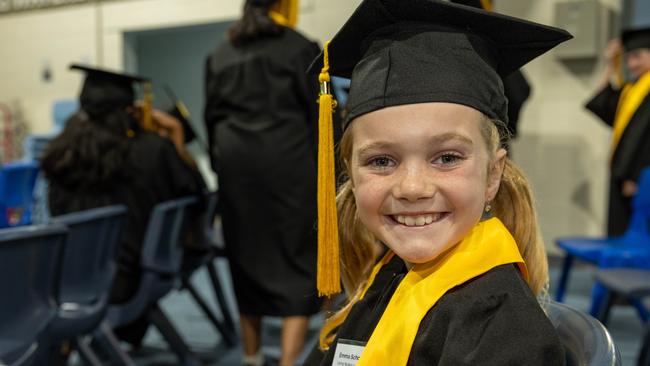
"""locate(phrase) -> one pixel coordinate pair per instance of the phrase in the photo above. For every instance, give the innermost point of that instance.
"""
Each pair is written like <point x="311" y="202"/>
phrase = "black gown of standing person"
<point x="630" y="156"/>
<point x="260" y="115"/>
<point x="493" y="319"/>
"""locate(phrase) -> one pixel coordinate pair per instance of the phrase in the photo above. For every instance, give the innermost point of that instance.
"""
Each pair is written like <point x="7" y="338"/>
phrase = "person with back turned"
<point x="261" y="120"/>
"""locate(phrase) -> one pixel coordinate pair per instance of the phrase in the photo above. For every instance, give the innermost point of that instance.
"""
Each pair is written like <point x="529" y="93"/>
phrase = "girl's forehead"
<point x="413" y="119"/>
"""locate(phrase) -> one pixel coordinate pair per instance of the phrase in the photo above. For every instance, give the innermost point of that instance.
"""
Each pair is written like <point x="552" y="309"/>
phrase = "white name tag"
<point x="347" y="352"/>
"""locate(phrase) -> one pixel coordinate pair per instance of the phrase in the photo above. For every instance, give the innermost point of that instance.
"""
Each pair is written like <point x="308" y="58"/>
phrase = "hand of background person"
<point x="613" y="50"/>
<point x="171" y="128"/>
<point x="629" y="188"/>
<point x="612" y="53"/>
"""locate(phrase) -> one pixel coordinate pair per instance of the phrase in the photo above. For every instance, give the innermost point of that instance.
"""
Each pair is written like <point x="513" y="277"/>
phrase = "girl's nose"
<point x="414" y="183"/>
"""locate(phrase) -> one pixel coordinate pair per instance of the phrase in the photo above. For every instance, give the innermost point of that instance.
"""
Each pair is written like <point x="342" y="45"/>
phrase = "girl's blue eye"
<point x="380" y="162"/>
<point x="448" y="159"/>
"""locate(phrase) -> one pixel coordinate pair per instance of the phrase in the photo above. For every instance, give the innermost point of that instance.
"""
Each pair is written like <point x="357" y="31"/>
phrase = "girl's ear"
<point x="495" y="173"/>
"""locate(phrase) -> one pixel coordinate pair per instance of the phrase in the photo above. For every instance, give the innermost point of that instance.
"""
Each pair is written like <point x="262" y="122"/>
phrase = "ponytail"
<point x="515" y="207"/>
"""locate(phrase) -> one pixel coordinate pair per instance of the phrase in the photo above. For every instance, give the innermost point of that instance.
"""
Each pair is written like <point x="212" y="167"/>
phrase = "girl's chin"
<point x="418" y="257"/>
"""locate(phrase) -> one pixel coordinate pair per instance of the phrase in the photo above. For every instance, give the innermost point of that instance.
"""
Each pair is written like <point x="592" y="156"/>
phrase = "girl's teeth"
<point x="416" y="220"/>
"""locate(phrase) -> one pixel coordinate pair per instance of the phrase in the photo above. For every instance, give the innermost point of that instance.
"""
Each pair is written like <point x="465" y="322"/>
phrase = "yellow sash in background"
<point x="488" y="245"/>
<point x="631" y="98"/>
<point x="285" y="12"/>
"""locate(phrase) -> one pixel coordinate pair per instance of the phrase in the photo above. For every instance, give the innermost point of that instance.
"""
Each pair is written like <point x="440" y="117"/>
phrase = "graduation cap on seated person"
<point x="105" y="91"/>
<point x="634" y="38"/>
<point x="415" y="51"/>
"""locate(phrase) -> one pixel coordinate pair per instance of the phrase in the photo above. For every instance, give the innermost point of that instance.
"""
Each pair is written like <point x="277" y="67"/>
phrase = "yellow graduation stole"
<point x="631" y="98"/>
<point x="488" y="245"/>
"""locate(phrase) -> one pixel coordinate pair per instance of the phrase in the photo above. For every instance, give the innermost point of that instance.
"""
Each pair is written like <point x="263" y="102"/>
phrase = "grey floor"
<point x="624" y="326"/>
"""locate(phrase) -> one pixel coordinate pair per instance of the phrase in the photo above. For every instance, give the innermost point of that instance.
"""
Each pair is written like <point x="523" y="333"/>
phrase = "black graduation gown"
<point x="493" y="319"/>
<point x="157" y="173"/>
<point x="261" y="116"/>
<point x="631" y="155"/>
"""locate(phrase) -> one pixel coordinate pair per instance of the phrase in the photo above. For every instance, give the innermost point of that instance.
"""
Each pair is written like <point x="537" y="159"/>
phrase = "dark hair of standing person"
<point x="255" y="23"/>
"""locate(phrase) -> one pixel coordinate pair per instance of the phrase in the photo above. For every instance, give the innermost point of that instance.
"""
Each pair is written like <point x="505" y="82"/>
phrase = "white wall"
<point x="92" y="33"/>
<point x="563" y="149"/>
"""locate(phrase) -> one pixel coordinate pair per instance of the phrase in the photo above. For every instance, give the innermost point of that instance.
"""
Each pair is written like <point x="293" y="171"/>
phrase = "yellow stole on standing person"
<point x="488" y="245"/>
<point x="285" y="12"/>
<point x="631" y="98"/>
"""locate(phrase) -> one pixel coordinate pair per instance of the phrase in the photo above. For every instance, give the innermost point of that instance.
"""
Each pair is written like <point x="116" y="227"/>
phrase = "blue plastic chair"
<point x="17" y="182"/>
<point x="87" y="271"/>
<point x="29" y="267"/>
<point x="615" y="251"/>
<point x="161" y="260"/>
<point x="586" y="341"/>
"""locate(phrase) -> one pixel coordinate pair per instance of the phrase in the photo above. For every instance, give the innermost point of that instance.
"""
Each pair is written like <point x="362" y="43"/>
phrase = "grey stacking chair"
<point x="631" y="284"/>
<point x="161" y="260"/>
<point x="586" y="341"/>
<point x="226" y="325"/>
<point x="29" y="268"/>
<point x="634" y="286"/>
<point x="87" y="271"/>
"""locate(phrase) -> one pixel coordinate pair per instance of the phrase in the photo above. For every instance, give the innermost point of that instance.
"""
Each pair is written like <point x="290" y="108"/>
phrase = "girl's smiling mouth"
<point x="422" y="219"/>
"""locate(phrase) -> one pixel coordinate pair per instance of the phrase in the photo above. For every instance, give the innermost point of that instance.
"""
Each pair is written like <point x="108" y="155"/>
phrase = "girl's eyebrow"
<point x="434" y="140"/>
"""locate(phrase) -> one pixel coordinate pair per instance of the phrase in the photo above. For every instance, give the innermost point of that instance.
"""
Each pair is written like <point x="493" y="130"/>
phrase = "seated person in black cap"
<point x="625" y="107"/>
<point x="104" y="157"/>
<point x="441" y="254"/>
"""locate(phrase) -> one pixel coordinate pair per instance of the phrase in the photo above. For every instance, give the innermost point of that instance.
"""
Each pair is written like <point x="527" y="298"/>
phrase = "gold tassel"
<point x="328" y="279"/>
<point x="487" y="4"/>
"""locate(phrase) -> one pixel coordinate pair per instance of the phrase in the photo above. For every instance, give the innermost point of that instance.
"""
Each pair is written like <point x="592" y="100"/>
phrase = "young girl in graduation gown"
<point x="441" y="256"/>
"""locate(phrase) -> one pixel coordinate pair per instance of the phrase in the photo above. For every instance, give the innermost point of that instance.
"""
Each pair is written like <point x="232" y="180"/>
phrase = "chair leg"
<point x="606" y="303"/>
<point x="86" y="352"/>
<point x="109" y="342"/>
<point x="227" y="335"/>
<point x="644" y="354"/>
<point x="169" y="332"/>
<point x="598" y="294"/>
<point x="641" y="309"/>
<point x="564" y="277"/>
<point x="221" y="298"/>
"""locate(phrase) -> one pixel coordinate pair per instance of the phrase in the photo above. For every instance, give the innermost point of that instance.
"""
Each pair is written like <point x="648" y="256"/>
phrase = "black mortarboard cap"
<point x="401" y="52"/>
<point x="105" y="91"/>
<point x="634" y="38"/>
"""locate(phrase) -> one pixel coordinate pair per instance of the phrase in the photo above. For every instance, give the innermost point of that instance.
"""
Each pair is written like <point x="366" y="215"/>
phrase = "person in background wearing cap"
<point x="104" y="157"/>
<point x="626" y="108"/>
<point x="261" y="121"/>
<point x="440" y="251"/>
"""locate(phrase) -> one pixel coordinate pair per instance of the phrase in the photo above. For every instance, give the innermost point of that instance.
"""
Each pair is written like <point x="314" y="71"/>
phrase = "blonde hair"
<point x="357" y="244"/>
